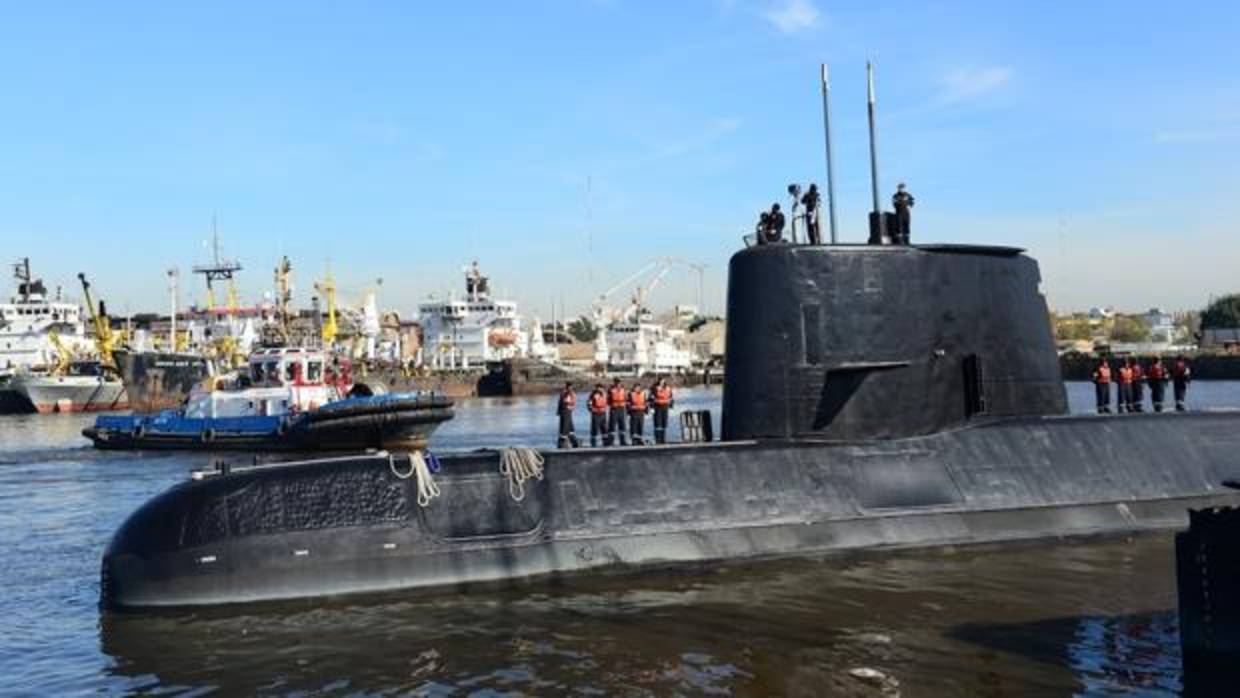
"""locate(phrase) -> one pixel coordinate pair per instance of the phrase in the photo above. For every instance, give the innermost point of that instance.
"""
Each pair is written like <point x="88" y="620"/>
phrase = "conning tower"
<point x="860" y="341"/>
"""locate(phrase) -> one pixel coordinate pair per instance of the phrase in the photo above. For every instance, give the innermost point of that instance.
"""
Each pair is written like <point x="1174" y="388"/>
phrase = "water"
<point x="1089" y="617"/>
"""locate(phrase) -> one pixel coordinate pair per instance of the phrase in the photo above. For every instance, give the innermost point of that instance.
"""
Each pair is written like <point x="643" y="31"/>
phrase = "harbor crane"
<point x="660" y="266"/>
<point x="105" y="339"/>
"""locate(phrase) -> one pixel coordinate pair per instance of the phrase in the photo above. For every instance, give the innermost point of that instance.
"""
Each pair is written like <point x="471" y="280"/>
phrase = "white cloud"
<point x="1193" y="136"/>
<point x="711" y="132"/>
<point x="793" y="16"/>
<point x="966" y="83"/>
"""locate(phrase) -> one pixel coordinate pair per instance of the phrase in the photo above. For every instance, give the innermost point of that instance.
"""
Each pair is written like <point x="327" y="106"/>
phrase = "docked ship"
<point x="467" y="334"/>
<point x="34" y="330"/>
<point x="79" y="386"/>
<point x="285" y="399"/>
<point x="159" y="380"/>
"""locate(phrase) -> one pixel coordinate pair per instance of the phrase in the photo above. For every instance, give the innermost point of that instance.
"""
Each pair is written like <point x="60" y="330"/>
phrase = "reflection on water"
<point x="1092" y="617"/>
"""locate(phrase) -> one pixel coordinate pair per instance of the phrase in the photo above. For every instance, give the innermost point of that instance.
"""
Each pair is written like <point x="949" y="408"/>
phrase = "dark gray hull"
<point x="349" y="525"/>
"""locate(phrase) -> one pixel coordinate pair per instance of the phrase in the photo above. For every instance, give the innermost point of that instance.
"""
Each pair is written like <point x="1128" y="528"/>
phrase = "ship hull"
<point x="351" y="525"/>
<point x="157" y="381"/>
<point x="52" y="394"/>
<point x="392" y="422"/>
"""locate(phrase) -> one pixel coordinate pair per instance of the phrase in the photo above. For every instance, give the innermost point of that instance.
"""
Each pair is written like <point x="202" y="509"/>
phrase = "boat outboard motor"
<point x="860" y="342"/>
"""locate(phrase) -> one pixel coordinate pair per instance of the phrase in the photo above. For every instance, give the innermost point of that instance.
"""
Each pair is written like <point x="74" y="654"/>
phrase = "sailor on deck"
<point x="1181" y="376"/>
<point x="567" y="403"/>
<point x="1124" y="399"/>
<point x="1158" y="383"/>
<point x="638" y="406"/>
<point x="617" y="399"/>
<point x="1138" y="386"/>
<point x="661" y="398"/>
<point x="1102" y="387"/>
<point x="597" y="405"/>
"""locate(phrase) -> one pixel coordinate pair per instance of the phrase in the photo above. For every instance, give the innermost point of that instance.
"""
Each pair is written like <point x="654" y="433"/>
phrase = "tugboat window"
<point x="314" y="371"/>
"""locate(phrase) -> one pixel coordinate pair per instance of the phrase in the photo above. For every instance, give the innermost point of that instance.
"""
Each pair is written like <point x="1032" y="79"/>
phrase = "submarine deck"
<point x="350" y="525"/>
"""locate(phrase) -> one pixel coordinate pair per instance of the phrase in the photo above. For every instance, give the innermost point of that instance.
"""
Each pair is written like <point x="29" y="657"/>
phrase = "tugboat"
<point x="285" y="399"/>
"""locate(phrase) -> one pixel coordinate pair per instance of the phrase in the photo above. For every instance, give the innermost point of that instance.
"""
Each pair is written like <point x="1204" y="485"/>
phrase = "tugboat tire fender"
<point x="207" y="435"/>
<point x="139" y="430"/>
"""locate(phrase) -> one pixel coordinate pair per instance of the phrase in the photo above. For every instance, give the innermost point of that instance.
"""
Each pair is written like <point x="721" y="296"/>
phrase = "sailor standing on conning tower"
<point x="903" y="203"/>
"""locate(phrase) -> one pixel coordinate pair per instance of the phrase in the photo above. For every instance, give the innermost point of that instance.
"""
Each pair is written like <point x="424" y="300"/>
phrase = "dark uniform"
<point x="637" y="414"/>
<point x="777" y="221"/>
<point x="1158" y="384"/>
<point x="617" y="399"/>
<point x="598" y="415"/>
<point x="661" y="398"/>
<point x="903" y="203"/>
<point x="567" y="403"/>
<point x="1181" y="376"/>
<point x="810" y="201"/>
<point x="1125" y="388"/>
<point x="1102" y="387"/>
<point x="1138" y="387"/>
<point x="762" y="233"/>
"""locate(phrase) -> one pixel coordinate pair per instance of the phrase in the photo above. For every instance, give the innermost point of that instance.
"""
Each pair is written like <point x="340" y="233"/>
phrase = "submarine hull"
<point x="350" y="525"/>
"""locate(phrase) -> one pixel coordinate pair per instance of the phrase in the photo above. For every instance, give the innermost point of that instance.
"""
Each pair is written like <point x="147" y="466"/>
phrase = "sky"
<point x="564" y="145"/>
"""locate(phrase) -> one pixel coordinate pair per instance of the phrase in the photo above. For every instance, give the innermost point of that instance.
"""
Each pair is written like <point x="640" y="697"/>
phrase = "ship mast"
<point x="219" y="269"/>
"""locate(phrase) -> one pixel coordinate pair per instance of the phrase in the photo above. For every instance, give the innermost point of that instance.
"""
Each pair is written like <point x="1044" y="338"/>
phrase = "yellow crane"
<point x="64" y="357"/>
<point x="328" y="289"/>
<point x="105" y="340"/>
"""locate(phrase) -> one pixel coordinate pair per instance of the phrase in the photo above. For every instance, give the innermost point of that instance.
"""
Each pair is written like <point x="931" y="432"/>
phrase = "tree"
<point x="582" y="329"/>
<point x="1129" y="329"/>
<point x="1073" y="328"/>
<point x="1223" y="313"/>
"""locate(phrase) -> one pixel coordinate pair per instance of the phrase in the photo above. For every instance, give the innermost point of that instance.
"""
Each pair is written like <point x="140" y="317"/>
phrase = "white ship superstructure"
<point x="31" y="323"/>
<point x="469" y="332"/>
<point x="642" y="346"/>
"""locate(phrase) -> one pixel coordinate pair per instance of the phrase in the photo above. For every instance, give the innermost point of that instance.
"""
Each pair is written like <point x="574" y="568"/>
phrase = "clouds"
<point x="964" y="84"/>
<point x="793" y="16"/>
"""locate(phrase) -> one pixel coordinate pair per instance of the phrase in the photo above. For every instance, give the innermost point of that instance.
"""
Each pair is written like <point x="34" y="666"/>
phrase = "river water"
<point x="1092" y="617"/>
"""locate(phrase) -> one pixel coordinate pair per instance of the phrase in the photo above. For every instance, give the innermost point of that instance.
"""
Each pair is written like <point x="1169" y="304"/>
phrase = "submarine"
<point x="876" y="396"/>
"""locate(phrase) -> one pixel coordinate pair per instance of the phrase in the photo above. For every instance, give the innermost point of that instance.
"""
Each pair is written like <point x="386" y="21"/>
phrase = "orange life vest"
<point x="637" y="401"/>
<point x="1102" y="376"/>
<point x="662" y="396"/>
<point x="616" y="395"/>
<point x="598" y="402"/>
<point x="1125" y="375"/>
<point x="1157" y="372"/>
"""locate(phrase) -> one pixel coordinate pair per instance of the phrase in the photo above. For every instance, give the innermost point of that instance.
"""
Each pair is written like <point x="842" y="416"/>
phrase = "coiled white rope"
<point x="520" y="464"/>
<point x="427" y="489"/>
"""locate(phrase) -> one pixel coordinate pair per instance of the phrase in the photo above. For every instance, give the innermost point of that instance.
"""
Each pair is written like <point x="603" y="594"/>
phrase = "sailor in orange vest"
<point x="638" y="405"/>
<point x="1138" y="385"/>
<point x="617" y="399"/>
<point x="1125" y="387"/>
<point x="661" y="398"/>
<point x="567" y="403"/>
<point x="1102" y="387"/>
<point x="1158" y="383"/>
<point x="598" y="414"/>
<point x="1181" y="376"/>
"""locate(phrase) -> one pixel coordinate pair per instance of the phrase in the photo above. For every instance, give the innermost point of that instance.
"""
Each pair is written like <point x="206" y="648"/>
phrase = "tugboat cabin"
<point x="274" y="382"/>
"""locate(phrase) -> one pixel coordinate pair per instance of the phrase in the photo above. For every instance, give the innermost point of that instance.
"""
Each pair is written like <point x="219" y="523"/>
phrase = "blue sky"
<point x="401" y="140"/>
